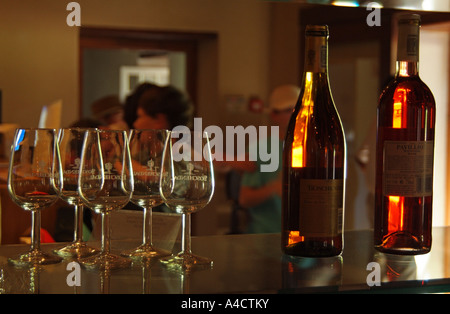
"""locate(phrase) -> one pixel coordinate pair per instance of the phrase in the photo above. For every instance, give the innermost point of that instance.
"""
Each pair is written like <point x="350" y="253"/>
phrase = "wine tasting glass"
<point x="146" y="149"/>
<point x="187" y="185"/>
<point x="105" y="185"/>
<point x="70" y="142"/>
<point x="30" y="185"/>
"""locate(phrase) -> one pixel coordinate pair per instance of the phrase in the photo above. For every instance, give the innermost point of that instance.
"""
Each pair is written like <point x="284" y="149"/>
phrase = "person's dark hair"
<point x="171" y="102"/>
<point x="132" y="102"/>
<point x="86" y="123"/>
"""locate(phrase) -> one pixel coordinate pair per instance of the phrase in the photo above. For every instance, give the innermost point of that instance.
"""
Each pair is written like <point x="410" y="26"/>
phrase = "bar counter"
<point x="246" y="264"/>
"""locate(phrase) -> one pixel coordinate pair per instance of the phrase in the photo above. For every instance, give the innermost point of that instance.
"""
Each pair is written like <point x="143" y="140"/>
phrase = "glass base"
<point x="34" y="257"/>
<point x="145" y="251"/>
<point x="76" y="249"/>
<point x="105" y="262"/>
<point x="404" y="243"/>
<point x="187" y="262"/>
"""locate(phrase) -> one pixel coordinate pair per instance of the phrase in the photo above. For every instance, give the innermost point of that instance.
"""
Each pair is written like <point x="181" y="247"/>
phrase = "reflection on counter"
<point x="396" y="267"/>
<point x="250" y="263"/>
<point x="304" y="272"/>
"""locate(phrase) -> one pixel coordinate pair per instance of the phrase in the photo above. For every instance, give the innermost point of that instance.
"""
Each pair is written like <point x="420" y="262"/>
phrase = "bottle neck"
<point x="407" y="68"/>
<point x="316" y="54"/>
<point x="408" y="49"/>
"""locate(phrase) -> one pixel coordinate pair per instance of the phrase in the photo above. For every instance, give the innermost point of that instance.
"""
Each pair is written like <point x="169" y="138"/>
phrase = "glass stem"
<point x="35" y="230"/>
<point x="147" y="232"/>
<point x="78" y="232"/>
<point x="186" y="235"/>
<point x="106" y="239"/>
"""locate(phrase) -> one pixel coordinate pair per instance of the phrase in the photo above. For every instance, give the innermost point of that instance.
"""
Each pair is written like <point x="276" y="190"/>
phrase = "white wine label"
<point x="408" y="43"/>
<point x="321" y="207"/>
<point x="408" y="168"/>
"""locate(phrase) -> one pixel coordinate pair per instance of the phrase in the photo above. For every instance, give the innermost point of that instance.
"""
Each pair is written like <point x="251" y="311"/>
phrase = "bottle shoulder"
<point x="411" y="88"/>
<point x="317" y="121"/>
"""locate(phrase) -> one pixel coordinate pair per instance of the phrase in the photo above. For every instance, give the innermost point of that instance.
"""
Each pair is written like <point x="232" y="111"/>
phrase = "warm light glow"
<point x="301" y="127"/>
<point x="428" y="5"/>
<point x="403" y="68"/>
<point x="397" y="115"/>
<point x="399" y="110"/>
<point x="297" y="157"/>
<point x="345" y="3"/>
<point x="294" y="237"/>
<point x="373" y="4"/>
<point x="396" y="208"/>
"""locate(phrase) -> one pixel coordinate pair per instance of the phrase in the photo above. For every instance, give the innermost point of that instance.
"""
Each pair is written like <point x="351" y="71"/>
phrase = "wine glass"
<point x="105" y="185"/>
<point x="187" y="185"/>
<point x="70" y="142"/>
<point x="30" y="185"/>
<point x="146" y="149"/>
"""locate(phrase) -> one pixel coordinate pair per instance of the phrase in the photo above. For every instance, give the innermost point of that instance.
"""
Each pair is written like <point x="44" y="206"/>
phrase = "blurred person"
<point x="158" y="107"/>
<point x="260" y="192"/>
<point x="132" y="102"/>
<point x="86" y="123"/>
<point x="109" y="111"/>
<point x="163" y="108"/>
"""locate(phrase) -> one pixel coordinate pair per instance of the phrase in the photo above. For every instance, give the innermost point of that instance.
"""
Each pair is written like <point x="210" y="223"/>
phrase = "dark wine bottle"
<point x="405" y="152"/>
<point x="314" y="161"/>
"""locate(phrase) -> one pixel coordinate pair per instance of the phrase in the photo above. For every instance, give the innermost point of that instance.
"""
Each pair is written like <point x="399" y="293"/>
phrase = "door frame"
<point x="118" y="38"/>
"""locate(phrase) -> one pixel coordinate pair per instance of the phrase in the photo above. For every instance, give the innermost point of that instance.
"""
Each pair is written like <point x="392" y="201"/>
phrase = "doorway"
<point x="115" y="61"/>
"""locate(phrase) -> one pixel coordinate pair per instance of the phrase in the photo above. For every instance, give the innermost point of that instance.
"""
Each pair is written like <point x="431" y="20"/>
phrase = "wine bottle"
<point x="405" y="152"/>
<point x="314" y="161"/>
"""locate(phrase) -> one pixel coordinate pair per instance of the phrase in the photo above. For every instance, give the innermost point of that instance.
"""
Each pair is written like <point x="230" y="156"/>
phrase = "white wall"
<point x="433" y="69"/>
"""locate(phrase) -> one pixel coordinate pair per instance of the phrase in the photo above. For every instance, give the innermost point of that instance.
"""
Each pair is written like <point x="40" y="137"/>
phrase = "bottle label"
<point x="316" y="60"/>
<point x="321" y="207"/>
<point x="316" y="54"/>
<point x="408" y="168"/>
<point x="408" y="43"/>
<point x="412" y="44"/>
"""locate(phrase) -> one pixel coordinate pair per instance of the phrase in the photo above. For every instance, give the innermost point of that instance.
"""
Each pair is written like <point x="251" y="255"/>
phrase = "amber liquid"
<point x="314" y="149"/>
<point x="406" y="112"/>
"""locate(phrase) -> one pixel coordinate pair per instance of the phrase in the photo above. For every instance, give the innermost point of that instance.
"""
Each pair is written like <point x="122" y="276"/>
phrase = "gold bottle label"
<point x="408" y="168"/>
<point x="321" y="207"/>
<point x="316" y="55"/>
